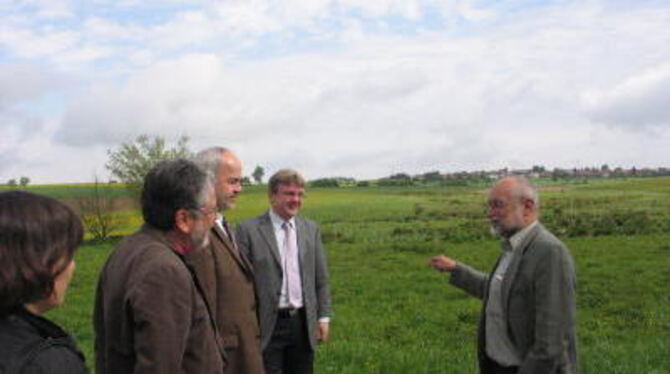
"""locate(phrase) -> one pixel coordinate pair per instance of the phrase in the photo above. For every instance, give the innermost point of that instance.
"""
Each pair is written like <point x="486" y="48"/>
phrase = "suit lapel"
<point x="301" y="238"/>
<point x="268" y="233"/>
<point x="513" y="268"/>
<point x="229" y="246"/>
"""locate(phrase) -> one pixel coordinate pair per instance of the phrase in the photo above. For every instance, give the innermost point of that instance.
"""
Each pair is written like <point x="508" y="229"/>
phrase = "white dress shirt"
<point x="280" y="236"/>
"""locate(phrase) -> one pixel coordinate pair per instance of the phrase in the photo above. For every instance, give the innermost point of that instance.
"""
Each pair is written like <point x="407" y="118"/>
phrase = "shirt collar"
<point x="519" y="237"/>
<point x="277" y="221"/>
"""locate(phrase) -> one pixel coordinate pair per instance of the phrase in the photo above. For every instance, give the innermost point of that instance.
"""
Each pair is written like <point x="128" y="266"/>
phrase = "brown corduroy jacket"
<point x="150" y="315"/>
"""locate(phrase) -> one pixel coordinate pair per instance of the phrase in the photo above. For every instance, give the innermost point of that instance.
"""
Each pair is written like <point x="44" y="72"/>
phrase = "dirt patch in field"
<point x="120" y="204"/>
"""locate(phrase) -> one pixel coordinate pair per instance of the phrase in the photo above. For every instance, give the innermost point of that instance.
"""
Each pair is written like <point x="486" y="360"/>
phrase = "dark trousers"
<point x="490" y="366"/>
<point x="289" y="351"/>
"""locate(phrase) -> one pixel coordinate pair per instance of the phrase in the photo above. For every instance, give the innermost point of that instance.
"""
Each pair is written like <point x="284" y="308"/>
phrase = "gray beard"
<point x="199" y="243"/>
<point x="495" y="232"/>
<point x="498" y="233"/>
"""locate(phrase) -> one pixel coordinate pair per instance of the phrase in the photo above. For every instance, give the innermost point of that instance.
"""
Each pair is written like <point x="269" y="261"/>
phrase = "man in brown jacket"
<point x="150" y="313"/>
<point x="225" y="273"/>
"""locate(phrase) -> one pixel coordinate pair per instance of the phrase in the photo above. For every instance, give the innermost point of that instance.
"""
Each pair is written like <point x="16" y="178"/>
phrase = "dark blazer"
<point x="31" y="344"/>
<point x="256" y="238"/>
<point x="227" y="279"/>
<point x="538" y="294"/>
<point x="150" y="315"/>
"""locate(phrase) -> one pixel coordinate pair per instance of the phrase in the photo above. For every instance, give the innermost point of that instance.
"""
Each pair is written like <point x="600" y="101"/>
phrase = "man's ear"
<point x="182" y="221"/>
<point x="528" y="205"/>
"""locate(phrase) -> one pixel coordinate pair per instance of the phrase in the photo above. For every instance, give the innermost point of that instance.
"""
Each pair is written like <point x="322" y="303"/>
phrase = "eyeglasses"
<point x="298" y="194"/>
<point x="208" y="211"/>
<point x="496" y="204"/>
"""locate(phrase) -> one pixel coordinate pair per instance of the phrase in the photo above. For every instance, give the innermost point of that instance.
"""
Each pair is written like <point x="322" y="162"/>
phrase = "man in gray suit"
<point x="291" y="277"/>
<point x="528" y="317"/>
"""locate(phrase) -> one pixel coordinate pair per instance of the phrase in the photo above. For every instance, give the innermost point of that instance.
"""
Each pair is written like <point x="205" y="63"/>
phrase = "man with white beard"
<point x="528" y="315"/>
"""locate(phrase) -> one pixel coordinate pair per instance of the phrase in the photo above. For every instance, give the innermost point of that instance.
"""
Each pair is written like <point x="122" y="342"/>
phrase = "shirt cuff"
<point x="324" y="320"/>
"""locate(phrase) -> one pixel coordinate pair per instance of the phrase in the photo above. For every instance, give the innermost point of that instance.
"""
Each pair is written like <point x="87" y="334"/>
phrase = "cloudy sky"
<point x="358" y="88"/>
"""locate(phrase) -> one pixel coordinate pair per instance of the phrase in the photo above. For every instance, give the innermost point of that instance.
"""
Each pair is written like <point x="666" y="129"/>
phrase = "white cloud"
<point x="34" y="44"/>
<point x="26" y="82"/>
<point x="641" y="100"/>
<point x="43" y="9"/>
<point x="330" y="87"/>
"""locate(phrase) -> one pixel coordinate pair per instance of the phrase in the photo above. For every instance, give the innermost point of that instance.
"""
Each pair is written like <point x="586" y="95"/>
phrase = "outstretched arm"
<point x="462" y="276"/>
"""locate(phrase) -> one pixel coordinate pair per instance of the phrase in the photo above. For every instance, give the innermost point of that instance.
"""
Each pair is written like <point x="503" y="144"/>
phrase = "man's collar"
<point x="170" y="238"/>
<point x="277" y="221"/>
<point x="516" y="239"/>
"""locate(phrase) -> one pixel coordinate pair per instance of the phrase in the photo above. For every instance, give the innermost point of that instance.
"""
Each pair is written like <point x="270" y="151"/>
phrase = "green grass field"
<point x="393" y="314"/>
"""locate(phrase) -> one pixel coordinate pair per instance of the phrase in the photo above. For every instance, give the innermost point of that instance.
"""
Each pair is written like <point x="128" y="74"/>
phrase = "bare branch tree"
<point x="97" y="213"/>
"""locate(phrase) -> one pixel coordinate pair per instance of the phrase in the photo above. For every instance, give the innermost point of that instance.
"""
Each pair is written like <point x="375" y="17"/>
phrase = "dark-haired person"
<point x="38" y="238"/>
<point x="150" y="314"/>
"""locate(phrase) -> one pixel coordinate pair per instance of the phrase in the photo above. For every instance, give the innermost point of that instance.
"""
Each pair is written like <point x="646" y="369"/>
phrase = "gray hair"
<point x="209" y="159"/>
<point x="525" y="189"/>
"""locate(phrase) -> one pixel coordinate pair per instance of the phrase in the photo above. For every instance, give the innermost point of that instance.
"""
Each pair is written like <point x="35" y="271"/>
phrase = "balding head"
<point x="519" y="188"/>
<point x="226" y="169"/>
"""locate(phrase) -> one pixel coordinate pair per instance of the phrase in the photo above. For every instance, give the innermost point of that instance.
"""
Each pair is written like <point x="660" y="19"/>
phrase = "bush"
<point x="97" y="213"/>
<point x="615" y="222"/>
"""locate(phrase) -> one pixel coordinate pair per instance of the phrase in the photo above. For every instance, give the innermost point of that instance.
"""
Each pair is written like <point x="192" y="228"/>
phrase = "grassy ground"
<point x="395" y="315"/>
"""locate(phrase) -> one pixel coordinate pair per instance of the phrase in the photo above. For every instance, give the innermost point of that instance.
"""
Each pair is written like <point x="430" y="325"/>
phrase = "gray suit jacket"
<point x="538" y="294"/>
<point x="256" y="239"/>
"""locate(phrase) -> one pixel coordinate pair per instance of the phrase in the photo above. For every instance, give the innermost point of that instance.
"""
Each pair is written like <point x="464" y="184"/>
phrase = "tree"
<point x="23" y="181"/>
<point x="324" y="182"/>
<point x="11" y="183"/>
<point x="538" y="169"/>
<point x="133" y="160"/>
<point x="258" y="174"/>
<point x="400" y="176"/>
<point x="97" y="213"/>
<point x="432" y="176"/>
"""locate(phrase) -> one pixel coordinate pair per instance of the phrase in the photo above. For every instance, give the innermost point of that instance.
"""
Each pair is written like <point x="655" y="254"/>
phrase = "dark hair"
<point x="170" y="186"/>
<point x="37" y="233"/>
<point x="285" y="176"/>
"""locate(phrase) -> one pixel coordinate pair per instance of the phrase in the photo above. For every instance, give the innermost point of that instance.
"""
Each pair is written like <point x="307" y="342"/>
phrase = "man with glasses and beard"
<point x="150" y="313"/>
<point x="528" y="322"/>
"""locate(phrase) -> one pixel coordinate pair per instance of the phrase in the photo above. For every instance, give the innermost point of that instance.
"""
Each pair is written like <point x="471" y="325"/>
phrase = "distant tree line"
<point x="333" y="182"/>
<point x="537" y="171"/>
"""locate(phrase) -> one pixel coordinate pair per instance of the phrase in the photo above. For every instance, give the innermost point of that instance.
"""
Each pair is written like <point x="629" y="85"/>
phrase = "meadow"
<point x="393" y="314"/>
